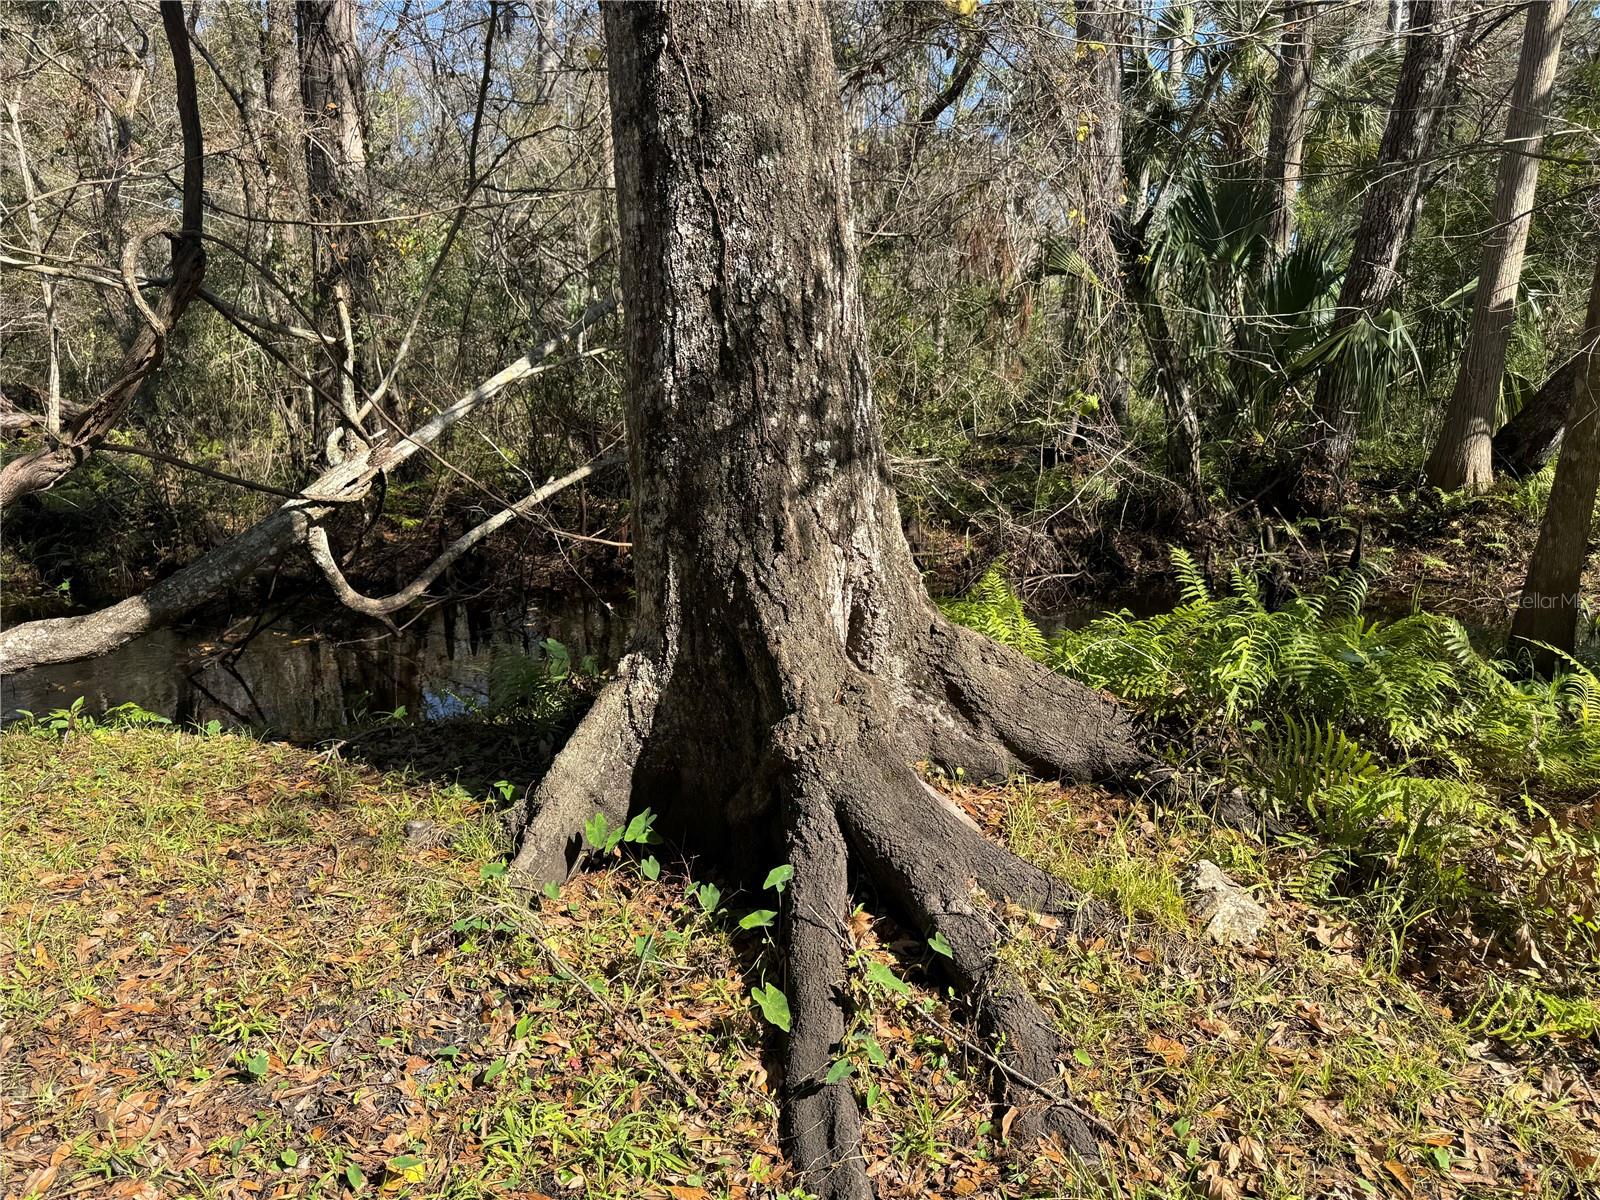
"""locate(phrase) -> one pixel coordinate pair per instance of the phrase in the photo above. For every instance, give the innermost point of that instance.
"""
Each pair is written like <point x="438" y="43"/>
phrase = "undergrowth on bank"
<point x="237" y="967"/>
<point x="1446" y="800"/>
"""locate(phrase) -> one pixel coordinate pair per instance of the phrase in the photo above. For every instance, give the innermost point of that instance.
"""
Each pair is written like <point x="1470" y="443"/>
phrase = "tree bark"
<point x="1286" y="139"/>
<point x="788" y="670"/>
<point x="1529" y="440"/>
<point x="1551" y="606"/>
<point x="1463" y="457"/>
<point x="333" y="94"/>
<point x="1381" y="236"/>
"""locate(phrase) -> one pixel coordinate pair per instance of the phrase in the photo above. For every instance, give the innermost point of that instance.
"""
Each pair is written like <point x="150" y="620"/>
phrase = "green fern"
<point x="993" y="609"/>
<point x="1310" y="757"/>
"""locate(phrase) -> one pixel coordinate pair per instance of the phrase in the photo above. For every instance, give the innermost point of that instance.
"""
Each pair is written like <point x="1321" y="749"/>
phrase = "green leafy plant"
<point x="773" y="1003"/>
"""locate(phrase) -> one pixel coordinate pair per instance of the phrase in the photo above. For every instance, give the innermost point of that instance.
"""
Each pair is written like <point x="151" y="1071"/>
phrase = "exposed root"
<point x="935" y="868"/>
<point x="1025" y="715"/>
<point x="821" y="1125"/>
<point x="838" y="773"/>
<point x="593" y="773"/>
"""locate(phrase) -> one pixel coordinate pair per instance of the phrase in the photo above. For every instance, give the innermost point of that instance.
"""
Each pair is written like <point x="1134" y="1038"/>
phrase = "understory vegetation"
<point x="506" y="450"/>
<point x="1443" y="800"/>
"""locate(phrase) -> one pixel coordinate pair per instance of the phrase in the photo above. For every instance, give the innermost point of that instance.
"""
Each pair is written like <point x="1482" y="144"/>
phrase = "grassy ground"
<point x="238" y="969"/>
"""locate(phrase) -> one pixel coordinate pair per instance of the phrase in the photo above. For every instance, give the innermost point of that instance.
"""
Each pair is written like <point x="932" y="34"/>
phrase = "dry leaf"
<point x="1398" y="1170"/>
<point x="1173" y="1053"/>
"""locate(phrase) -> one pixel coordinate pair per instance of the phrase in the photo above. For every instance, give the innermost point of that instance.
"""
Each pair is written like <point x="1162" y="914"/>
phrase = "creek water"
<point x="312" y="672"/>
<point x="308" y="672"/>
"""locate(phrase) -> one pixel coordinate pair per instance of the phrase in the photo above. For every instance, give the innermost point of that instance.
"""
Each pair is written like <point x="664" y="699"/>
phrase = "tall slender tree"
<point x="333" y="94"/>
<point x="1463" y="457"/>
<point x="1381" y="235"/>
<point x="1547" y="618"/>
<point x="1286" y="138"/>
<point x="1102" y="29"/>
<point x="788" y="668"/>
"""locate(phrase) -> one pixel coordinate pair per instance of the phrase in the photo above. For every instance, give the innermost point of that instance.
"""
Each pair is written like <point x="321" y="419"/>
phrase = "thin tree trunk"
<point x="788" y="669"/>
<point x="333" y="94"/>
<point x="1380" y="241"/>
<point x="41" y="469"/>
<point x="280" y="116"/>
<point x="47" y="286"/>
<point x="1395" y="20"/>
<point x="1172" y="370"/>
<point x="1551" y="606"/>
<point x="1102" y="30"/>
<point x="1463" y="457"/>
<point x="1286" y="140"/>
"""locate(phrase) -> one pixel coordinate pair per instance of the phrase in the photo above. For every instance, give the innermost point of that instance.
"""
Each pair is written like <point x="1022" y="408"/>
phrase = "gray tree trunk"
<point x="1463" y="458"/>
<point x="788" y="669"/>
<point x="1551" y="606"/>
<point x="1381" y="235"/>
<point x="333" y="94"/>
<point x="1286" y="139"/>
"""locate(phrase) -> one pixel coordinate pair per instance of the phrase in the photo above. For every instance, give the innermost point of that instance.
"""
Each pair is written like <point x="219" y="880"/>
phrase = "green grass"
<point x="225" y="963"/>
<point x="1300" y="1067"/>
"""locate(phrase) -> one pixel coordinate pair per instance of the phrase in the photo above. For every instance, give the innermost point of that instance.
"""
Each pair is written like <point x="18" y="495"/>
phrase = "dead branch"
<point x="381" y="607"/>
<point x="68" y="639"/>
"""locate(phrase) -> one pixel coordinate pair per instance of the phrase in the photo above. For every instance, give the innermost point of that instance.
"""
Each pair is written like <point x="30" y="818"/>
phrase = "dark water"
<point x="311" y="673"/>
<point x="314" y="672"/>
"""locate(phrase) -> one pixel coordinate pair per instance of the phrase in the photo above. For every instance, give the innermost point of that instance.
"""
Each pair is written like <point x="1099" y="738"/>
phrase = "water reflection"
<point x="310" y="674"/>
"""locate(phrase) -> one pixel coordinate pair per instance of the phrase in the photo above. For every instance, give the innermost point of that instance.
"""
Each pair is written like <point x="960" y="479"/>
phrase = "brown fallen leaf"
<point x="1398" y="1170"/>
<point x="1005" y="1123"/>
<point x="1173" y="1053"/>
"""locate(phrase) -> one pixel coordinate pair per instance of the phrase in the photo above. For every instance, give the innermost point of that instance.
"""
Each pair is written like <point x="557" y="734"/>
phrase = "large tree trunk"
<point x="1380" y="241"/>
<point x="1463" y="458"/>
<point x="1550" y="609"/>
<point x="1286" y="139"/>
<point x="788" y="670"/>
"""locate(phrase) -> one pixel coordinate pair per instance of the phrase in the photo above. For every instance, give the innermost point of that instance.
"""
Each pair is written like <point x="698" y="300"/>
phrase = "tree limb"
<point x="381" y="607"/>
<point x="68" y="639"/>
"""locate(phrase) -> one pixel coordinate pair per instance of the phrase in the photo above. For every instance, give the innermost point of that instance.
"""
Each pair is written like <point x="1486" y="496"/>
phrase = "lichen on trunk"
<point x="788" y="670"/>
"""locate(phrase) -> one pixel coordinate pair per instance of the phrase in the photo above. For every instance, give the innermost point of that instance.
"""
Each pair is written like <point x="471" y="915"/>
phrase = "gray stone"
<point x="1227" y="914"/>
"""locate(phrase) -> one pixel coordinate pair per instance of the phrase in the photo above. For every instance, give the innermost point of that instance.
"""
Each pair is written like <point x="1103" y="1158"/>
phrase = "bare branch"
<point x="42" y="468"/>
<point x="322" y="553"/>
<point x="67" y="639"/>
